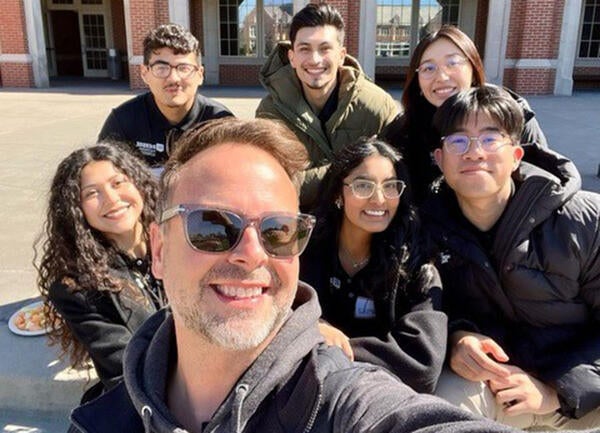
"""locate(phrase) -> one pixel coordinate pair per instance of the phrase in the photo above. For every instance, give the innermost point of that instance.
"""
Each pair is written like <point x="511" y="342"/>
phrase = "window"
<point x="589" y="45"/>
<point x="251" y="28"/>
<point x="399" y="29"/>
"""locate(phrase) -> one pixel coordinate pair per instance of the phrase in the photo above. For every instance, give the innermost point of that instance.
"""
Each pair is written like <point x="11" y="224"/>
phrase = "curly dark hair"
<point x="396" y="252"/>
<point x="172" y="36"/>
<point x="72" y="252"/>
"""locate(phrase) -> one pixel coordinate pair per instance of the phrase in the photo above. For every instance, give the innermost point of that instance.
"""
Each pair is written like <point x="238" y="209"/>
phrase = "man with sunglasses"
<point x="239" y="349"/>
<point x="149" y="123"/>
<point x="519" y="256"/>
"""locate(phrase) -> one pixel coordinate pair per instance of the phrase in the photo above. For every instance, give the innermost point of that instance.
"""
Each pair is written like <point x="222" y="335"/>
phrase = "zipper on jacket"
<point x="315" y="411"/>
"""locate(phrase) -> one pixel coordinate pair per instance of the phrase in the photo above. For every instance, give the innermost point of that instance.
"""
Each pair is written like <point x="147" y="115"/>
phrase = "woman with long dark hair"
<point x="444" y="63"/>
<point x="379" y="294"/>
<point x="94" y="272"/>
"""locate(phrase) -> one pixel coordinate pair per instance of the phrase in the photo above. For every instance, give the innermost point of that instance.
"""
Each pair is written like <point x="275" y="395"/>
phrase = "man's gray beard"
<point x="220" y="333"/>
<point x="231" y="332"/>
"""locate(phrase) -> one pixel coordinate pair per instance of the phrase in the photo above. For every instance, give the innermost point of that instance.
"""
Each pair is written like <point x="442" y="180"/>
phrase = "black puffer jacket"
<point x="537" y="292"/>
<point x="417" y="142"/>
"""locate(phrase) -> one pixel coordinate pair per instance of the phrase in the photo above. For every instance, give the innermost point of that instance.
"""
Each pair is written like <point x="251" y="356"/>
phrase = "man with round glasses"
<point x="239" y="348"/>
<point x="151" y="122"/>
<point x="519" y="259"/>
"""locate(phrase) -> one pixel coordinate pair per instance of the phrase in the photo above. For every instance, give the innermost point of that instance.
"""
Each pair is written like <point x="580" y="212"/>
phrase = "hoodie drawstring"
<point x="146" y="418"/>
<point x="240" y="394"/>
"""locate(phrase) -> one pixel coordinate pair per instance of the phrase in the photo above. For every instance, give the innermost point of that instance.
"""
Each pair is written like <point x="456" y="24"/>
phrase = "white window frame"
<point x="260" y="57"/>
<point x="467" y="13"/>
<point x="583" y="62"/>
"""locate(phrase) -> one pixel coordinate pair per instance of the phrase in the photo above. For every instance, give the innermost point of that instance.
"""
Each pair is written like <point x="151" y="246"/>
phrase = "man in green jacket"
<point x="320" y="92"/>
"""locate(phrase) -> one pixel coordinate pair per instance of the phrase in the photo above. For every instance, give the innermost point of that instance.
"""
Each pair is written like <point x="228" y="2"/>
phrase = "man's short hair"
<point x="269" y="135"/>
<point x="489" y="99"/>
<point x="317" y="15"/>
<point x="172" y="36"/>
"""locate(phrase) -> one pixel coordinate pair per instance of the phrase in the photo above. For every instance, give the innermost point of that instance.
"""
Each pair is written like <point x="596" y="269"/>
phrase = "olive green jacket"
<point x="363" y="110"/>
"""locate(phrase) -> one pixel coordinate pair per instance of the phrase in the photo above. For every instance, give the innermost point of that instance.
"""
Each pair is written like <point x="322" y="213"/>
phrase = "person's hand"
<point x="477" y="357"/>
<point x="335" y="337"/>
<point x="521" y="393"/>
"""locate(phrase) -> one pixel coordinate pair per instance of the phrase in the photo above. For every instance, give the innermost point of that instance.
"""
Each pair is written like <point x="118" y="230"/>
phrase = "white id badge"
<point x="364" y="308"/>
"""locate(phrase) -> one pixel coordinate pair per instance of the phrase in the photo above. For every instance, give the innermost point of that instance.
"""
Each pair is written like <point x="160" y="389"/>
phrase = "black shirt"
<point x="143" y="128"/>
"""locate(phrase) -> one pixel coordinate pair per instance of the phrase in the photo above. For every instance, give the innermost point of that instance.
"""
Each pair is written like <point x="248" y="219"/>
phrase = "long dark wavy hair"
<point x="395" y="253"/>
<point x="72" y="252"/>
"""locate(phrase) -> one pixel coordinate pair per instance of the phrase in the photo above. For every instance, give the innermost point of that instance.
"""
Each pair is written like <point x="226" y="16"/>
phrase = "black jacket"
<point x="140" y="125"/>
<point x="296" y="385"/>
<point x="104" y="321"/>
<point x="536" y="291"/>
<point x="405" y="332"/>
<point x="417" y="143"/>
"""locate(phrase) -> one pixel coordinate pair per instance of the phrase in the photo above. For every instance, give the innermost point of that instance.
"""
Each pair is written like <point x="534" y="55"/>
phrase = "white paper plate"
<point x="15" y="330"/>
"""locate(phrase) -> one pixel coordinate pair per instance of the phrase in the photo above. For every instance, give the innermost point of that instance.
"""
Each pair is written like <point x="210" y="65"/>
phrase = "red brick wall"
<point x="196" y="20"/>
<point x="481" y="26"/>
<point x="534" y="29"/>
<point x="13" y="40"/>
<point x="350" y="10"/>
<point x="239" y="75"/>
<point x="530" y="81"/>
<point x="145" y="15"/>
<point x="17" y="75"/>
<point x="586" y="78"/>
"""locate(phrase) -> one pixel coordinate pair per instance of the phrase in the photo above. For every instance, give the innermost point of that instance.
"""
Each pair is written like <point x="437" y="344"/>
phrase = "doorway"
<point x="67" y="44"/>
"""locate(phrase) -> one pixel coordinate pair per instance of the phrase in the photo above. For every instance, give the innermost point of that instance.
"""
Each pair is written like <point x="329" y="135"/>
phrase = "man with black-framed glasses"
<point x="239" y="349"/>
<point x="520" y="265"/>
<point x="150" y="123"/>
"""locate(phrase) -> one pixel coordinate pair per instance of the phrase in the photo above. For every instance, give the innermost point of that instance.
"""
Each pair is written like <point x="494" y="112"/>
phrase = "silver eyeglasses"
<point x="427" y="70"/>
<point x="364" y="188"/>
<point x="490" y="142"/>
<point x="163" y="70"/>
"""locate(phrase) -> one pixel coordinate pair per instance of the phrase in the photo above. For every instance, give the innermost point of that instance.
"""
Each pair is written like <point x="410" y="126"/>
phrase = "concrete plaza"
<point x="40" y="127"/>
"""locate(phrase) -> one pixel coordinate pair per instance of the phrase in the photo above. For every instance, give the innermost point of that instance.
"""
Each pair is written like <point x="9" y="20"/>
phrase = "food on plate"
<point x="31" y="319"/>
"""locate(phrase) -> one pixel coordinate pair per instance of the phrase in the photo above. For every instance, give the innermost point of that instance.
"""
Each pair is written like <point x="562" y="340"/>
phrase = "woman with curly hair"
<point x="94" y="271"/>
<point x="444" y="63"/>
<point x="379" y="294"/>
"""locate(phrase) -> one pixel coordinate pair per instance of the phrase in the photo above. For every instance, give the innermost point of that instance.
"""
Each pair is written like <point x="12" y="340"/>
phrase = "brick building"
<point x="532" y="46"/>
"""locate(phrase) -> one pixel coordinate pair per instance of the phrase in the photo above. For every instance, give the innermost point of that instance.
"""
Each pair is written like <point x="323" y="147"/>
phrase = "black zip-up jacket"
<point x="537" y="290"/>
<point x="405" y="330"/>
<point x="296" y="385"/>
<point x="139" y="124"/>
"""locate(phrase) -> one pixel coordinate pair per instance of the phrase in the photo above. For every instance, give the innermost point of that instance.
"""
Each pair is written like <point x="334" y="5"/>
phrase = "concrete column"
<point x="569" y="38"/>
<point x="210" y="25"/>
<point x="496" y="39"/>
<point x="367" y="36"/>
<point x="36" y="43"/>
<point x="179" y="12"/>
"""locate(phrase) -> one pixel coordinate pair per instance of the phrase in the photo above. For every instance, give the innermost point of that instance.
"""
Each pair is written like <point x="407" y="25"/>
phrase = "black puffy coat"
<point x="537" y="291"/>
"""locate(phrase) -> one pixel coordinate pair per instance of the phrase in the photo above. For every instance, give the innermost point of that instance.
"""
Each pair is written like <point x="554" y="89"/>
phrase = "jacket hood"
<point x="278" y="76"/>
<point x="146" y="352"/>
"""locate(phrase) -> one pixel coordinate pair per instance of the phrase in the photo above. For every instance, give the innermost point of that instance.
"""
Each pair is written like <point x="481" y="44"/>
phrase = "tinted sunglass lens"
<point x="213" y="230"/>
<point x="284" y="236"/>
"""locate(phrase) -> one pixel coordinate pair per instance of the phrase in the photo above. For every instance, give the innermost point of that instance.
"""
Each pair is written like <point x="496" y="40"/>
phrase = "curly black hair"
<point x="172" y="36"/>
<point x="72" y="252"/>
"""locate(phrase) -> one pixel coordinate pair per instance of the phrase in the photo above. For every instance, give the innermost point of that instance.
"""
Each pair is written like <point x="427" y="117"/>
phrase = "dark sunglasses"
<point x="213" y="230"/>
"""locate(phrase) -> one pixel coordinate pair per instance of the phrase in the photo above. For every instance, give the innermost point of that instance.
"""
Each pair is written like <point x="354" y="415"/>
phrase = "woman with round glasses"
<point x="443" y="63"/>
<point x="94" y="271"/>
<point x="379" y="294"/>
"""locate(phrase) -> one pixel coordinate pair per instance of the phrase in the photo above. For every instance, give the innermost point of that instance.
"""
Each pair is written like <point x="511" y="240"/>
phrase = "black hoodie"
<point x="296" y="385"/>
